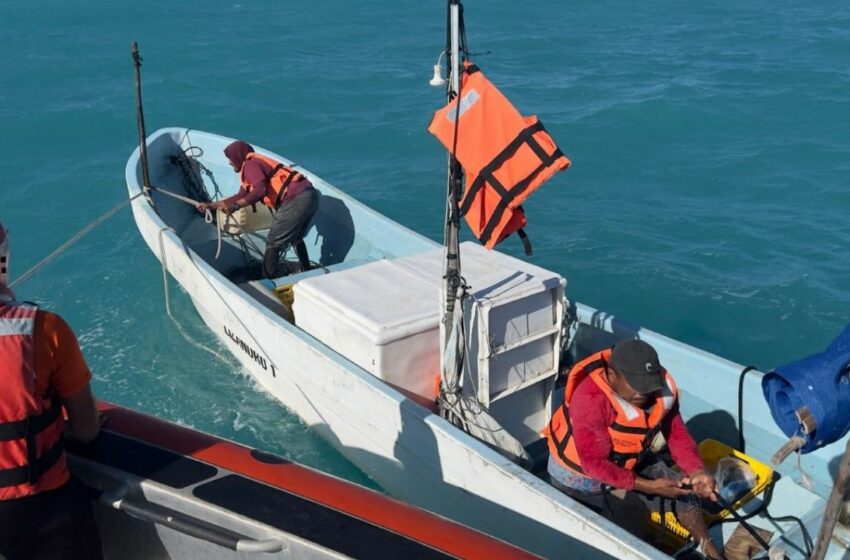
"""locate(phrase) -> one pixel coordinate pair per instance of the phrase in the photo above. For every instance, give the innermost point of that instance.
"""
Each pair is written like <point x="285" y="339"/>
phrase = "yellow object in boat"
<point x="712" y="452"/>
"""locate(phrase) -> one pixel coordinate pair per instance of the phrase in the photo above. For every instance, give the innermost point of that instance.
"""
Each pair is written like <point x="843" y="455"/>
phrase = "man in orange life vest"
<point x="601" y="438"/>
<point x="289" y="194"/>
<point x="43" y="512"/>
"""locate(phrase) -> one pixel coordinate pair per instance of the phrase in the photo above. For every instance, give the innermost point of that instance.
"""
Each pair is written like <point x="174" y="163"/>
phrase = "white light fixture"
<point x="438" y="79"/>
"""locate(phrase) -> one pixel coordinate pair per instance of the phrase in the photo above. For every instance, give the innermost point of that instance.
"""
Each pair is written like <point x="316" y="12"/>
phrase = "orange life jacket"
<point x="280" y="178"/>
<point x="505" y="156"/>
<point x="32" y="458"/>
<point x="633" y="428"/>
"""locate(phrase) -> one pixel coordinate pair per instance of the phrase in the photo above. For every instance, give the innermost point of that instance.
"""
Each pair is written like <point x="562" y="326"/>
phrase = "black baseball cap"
<point x="638" y="362"/>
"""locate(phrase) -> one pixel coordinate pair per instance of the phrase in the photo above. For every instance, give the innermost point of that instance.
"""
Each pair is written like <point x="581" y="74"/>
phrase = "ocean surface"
<point x="708" y="197"/>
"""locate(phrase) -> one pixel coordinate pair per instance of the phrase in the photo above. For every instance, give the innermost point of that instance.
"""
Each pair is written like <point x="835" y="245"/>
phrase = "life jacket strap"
<point x="526" y="242"/>
<point x="293" y="175"/>
<point x="508" y="194"/>
<point x="629" y="429"/>
<point x="33" y="471"/>
<point x="31" y="425"/>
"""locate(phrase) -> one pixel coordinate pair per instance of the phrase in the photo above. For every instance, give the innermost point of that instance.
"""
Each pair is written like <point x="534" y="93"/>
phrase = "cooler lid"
<point x="383" y="298"/>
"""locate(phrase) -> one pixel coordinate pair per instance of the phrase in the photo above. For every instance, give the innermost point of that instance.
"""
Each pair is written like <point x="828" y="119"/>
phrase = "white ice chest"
<point x="385" y="317"/>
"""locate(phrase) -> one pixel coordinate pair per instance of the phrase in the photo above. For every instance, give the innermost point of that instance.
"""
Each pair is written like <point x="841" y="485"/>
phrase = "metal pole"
<point x="833" y="507"/>
<point x="140" y="122"/>
<point x="451" y="278"/>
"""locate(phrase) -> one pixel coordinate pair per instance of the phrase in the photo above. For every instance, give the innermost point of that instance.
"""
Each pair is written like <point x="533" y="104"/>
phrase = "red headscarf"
<point x="237" y="151"/>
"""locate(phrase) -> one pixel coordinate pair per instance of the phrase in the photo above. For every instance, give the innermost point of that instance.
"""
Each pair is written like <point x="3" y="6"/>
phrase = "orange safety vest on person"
<point x="32" y="458"/>
<point x="633" y="429"/>
<point x="281" y="177"/>
<point x="505" y="156"/>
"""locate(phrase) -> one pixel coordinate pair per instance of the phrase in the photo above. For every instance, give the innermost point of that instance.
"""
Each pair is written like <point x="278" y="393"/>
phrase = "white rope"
<point x="186" y="336"/>
<point x="185" y="199"/>
<point x="164" y="269"/>
<point x="49" y="258"/>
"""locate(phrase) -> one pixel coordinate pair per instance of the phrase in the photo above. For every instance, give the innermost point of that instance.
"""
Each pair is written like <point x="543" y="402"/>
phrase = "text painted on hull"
<point x="254" y="355"/>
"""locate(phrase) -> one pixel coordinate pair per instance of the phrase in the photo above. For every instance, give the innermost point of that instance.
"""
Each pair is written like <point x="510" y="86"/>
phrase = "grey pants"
<point x="291" y="223"/>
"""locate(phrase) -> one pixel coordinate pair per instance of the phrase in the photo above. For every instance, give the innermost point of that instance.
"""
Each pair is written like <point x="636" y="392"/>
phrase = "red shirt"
<point x="590" y="415"/>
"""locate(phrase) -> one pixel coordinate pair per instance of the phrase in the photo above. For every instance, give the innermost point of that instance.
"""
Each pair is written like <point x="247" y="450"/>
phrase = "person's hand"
<point x="664" y="487"/>
<point x="230" y="209"/>
<point x="703" y="484"/>
<point x="211" y="206"/>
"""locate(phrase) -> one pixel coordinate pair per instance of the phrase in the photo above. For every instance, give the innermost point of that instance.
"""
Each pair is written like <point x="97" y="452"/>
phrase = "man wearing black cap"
<point x="616" y="403"/>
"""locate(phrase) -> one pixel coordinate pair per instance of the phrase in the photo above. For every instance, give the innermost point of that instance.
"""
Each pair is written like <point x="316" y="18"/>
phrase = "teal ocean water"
<point x="708" y="197"/>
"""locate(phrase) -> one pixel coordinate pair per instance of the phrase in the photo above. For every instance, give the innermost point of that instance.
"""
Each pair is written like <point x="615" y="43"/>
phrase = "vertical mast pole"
<point x="451" y="278"/>
<point x="140" y="122"/>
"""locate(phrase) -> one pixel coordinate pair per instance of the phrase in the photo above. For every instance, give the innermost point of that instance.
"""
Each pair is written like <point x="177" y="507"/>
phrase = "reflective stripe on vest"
<point x="279" y="178"/>
<point x="31" y="445"/>
<point x="633" y="428"/>
<point x="505" y="156"/>
<point x="17" y="326"/>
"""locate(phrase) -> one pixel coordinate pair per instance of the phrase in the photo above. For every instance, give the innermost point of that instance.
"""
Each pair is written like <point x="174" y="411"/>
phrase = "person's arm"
<point x="685" y="454"/>
<point x="682" y="446"/>
<point x="83" y="418"/>
<point x="257" y="176"/>
<point x="59" y="353"/>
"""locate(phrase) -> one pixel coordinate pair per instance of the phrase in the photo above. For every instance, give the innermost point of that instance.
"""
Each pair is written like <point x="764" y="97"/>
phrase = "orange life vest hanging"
<point x="633" y="428"/>
<point x="505" y="156"/>
<point x="280" y="178"/>
<point x="32" y="457"/>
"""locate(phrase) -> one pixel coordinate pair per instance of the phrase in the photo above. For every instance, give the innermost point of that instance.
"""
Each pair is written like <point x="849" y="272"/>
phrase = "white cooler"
<point x="381" y="316"/>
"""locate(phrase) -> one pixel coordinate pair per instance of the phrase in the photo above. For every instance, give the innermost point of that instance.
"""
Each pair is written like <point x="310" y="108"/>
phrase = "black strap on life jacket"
<point x="28" y="429"/>
<point x="293" y="175"/>
<point x="526" y="242"/>
<point x="33" y="470"/>
<point x="36" y="423"/>
<point x="648" y="436"/>
<point x="507" y="194"/>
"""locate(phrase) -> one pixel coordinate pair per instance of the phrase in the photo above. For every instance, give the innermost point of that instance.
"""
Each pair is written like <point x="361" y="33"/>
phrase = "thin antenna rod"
<point x="140" y="121"/>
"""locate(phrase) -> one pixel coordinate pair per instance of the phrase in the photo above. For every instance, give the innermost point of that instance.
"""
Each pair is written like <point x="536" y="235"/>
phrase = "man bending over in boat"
<point x="44" y="513"/>
<point x="601" y="442"/>
<point x="288" y="193"/>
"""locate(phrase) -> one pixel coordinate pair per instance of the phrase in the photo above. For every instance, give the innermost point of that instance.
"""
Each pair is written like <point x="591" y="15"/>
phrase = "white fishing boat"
<point x="357" y="346"/>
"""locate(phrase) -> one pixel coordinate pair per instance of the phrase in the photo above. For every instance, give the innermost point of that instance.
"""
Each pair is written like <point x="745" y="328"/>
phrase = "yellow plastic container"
<point x="711" y="452"/>
<point x="286" y="295"/>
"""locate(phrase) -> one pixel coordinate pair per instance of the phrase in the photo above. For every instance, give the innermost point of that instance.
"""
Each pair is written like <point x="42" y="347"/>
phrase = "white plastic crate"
<point x="512" y="318"/>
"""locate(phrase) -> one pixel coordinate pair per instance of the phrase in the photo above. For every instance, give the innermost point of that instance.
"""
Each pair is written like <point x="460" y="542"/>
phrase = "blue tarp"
<point x="820" y="382"/>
